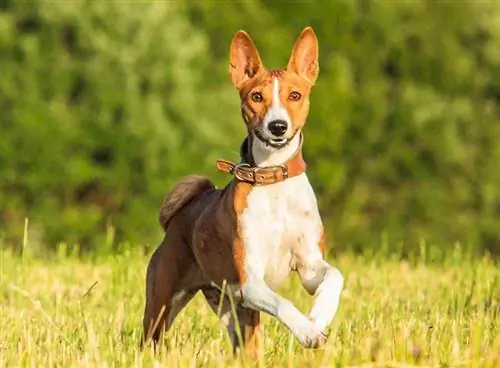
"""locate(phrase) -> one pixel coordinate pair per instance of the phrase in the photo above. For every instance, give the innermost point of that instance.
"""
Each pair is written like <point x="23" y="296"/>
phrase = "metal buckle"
<point x="236" y="173"/>
<point x="284" y="168"/>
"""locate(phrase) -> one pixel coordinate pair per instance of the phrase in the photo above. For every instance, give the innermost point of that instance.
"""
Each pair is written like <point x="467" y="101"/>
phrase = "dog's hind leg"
<point x="172" y="279"/>
<point x="247" y="320"/>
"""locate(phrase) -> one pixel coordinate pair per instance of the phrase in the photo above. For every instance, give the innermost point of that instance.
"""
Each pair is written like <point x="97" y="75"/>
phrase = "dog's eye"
<point x="256" y="97"/>
<point x="294" y="96"/>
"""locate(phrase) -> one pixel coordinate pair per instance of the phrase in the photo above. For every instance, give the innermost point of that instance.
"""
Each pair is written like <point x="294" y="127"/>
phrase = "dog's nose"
<point x="278" y="127"/>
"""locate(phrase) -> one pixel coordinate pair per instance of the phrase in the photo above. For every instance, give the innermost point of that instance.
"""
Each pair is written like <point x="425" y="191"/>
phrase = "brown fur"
<point x="203" y="244"/>
<point x="187" y="188"/>
<point x="254" y="112"/>
<point x="249" y="75"/>
<point x="240" y="203"/>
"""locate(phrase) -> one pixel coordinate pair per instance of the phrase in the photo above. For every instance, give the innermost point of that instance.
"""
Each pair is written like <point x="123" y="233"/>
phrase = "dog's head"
<point x="274" y="103"/>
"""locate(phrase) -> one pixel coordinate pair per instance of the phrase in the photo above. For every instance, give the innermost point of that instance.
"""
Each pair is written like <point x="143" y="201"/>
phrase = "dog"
<point x="242" y="241"/>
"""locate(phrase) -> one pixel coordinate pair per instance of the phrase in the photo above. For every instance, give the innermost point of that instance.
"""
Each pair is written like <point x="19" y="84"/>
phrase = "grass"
<point x="67" y="312"/>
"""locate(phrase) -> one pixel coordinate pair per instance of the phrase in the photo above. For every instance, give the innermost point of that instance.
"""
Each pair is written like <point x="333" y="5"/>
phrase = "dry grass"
<point x="392" y="314"/>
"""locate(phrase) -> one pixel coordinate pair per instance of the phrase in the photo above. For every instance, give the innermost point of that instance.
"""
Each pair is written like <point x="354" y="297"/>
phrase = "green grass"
<point x="393" y="313"/>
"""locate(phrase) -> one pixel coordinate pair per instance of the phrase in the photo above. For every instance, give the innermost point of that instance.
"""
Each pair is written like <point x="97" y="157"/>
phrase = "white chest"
<point x="280" y="225"/>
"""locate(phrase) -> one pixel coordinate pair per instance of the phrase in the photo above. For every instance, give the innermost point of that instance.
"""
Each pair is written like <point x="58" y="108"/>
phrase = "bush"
<point x="105" y="105"/>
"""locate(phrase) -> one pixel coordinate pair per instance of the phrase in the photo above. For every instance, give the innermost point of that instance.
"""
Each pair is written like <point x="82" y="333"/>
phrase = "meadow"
<point x="428" y="311"/>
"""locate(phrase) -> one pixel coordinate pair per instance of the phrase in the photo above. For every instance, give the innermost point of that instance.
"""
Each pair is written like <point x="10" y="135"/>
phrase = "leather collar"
<point x="247" y="171"/>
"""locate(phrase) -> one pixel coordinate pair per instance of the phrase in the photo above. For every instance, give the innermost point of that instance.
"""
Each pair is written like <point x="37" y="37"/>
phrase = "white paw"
<point x="309" y="335"/>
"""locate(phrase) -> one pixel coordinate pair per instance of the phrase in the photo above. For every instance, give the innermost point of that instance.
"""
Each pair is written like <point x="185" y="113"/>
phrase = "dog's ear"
<point x="304" y="57"/>
<point x="244" y="59"/>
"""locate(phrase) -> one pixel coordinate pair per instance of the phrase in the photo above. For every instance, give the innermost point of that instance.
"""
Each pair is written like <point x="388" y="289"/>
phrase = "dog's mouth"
<point x="276" y="143"/>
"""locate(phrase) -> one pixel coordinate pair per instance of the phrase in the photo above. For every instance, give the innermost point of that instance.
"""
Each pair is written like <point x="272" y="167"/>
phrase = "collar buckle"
<point x="238" y="173"/>
<point x="284" y="169"/>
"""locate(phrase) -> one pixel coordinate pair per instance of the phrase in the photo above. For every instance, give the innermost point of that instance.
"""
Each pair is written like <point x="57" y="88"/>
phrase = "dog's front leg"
<point x="259" y="296"/>
<point x="326" y="283"/>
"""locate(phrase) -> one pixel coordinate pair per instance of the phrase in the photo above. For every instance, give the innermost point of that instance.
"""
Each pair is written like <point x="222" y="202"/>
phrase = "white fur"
<point x="328" y="292"/>
<point x="179" y="300"/>
<point x="268" y="156"/>
<point x="282" y="229"/>
<point x="277" y="110"/>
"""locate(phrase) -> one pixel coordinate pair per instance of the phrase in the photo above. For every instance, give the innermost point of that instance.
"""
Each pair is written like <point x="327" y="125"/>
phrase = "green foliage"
<point x="100" y="118"/>
<point x="105" y="105"/>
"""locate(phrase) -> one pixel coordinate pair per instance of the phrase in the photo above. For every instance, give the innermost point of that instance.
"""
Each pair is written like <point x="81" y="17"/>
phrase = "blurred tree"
<point x="99" y="118"/>
<point x="105" y="105"/>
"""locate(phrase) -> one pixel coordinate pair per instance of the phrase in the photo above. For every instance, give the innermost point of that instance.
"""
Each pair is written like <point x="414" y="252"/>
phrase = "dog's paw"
<point x="310" y="336"/>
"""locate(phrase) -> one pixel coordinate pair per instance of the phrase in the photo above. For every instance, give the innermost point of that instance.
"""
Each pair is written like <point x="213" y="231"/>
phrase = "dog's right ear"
<point x="244" y="59"/>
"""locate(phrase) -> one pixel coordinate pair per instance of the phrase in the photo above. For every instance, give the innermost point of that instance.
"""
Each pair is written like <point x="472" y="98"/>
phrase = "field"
<point x="66" y="311"/>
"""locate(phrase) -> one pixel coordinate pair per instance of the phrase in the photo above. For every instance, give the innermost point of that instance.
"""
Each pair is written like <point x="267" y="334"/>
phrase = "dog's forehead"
<point x="261" y="81"/>
<point x="276" y="73"/>
<point x="265" y="80"/>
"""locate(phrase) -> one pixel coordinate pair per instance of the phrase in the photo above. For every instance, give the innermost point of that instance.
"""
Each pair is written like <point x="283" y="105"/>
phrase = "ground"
<point x="66" y="311"/>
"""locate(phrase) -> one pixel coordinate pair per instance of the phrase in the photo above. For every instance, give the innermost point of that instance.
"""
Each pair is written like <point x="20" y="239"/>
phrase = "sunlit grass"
<point x="70" y="312"/>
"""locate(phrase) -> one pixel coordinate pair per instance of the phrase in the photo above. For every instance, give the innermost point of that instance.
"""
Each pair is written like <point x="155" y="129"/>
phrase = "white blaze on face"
<point x="265" y="155"/>
<point x="277" y="110"/>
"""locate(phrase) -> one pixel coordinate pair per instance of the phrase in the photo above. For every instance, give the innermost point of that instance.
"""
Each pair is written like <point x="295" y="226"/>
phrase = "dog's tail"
<point x="183" y="192"/>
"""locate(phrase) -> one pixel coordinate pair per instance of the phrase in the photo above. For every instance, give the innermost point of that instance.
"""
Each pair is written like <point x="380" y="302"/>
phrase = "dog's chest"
<point x="280" y="225"/>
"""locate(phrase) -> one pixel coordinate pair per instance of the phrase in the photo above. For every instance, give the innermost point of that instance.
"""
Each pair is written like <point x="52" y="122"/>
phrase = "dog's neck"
<point x="256" y="153"/>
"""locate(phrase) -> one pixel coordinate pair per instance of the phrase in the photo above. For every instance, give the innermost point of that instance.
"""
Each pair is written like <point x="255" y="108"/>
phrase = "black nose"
<point x="278" y="127"/>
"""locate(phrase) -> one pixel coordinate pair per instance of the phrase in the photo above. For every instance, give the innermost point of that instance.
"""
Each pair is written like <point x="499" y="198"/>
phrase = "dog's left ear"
<point x="304" y="57"/>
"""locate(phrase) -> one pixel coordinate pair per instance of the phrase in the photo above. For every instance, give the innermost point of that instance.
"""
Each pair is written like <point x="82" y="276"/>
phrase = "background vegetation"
<point x="106" y="104"/>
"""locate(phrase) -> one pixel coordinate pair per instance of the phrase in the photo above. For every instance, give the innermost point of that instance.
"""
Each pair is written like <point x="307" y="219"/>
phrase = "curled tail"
<point x="183" y="192"/>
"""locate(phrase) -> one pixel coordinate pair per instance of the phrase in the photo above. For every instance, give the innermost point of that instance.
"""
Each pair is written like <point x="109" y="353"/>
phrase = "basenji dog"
<point x="242" y="241"/>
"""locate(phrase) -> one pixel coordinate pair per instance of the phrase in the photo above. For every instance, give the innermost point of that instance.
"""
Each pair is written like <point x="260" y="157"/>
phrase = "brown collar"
<point x="248" y="172"/>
